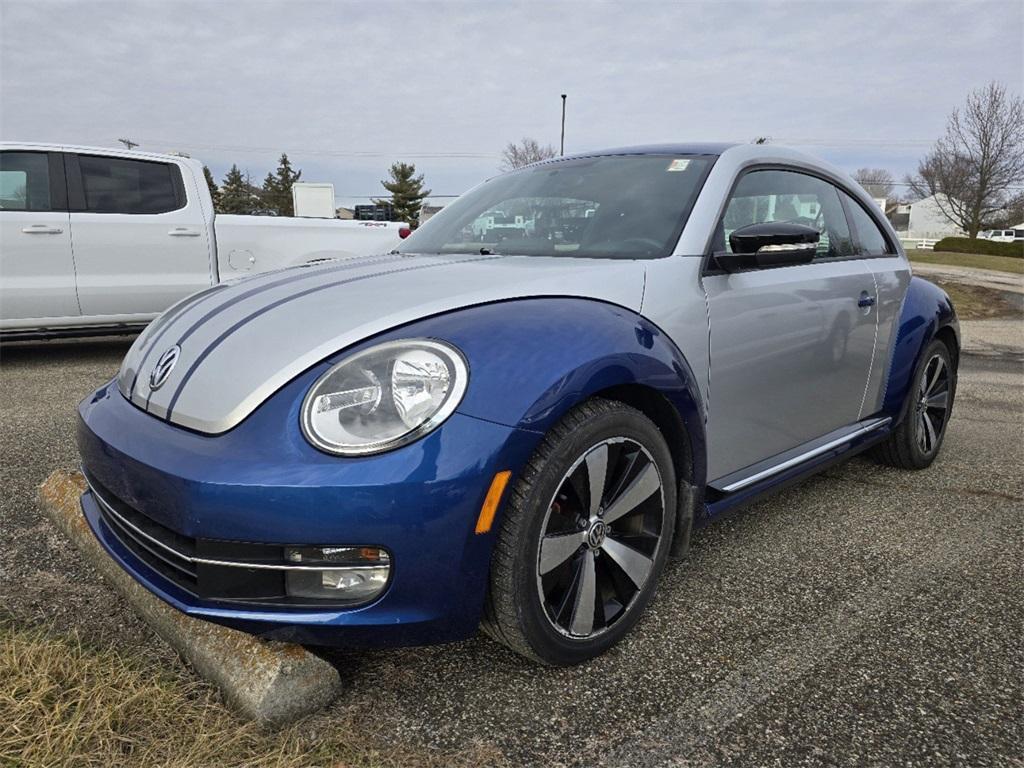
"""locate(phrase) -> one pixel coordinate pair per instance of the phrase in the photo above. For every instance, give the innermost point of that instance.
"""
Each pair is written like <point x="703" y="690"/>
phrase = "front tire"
<point x="584" y="537"/>
<point x="915" y="443"/>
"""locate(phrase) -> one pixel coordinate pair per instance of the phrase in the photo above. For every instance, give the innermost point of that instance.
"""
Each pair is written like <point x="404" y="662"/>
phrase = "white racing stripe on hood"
<point x="241" y="344"/>
<point x="181" y="320"/>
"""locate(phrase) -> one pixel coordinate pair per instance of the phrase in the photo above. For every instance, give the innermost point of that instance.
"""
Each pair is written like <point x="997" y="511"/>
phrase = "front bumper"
<point x="262" y="483"/>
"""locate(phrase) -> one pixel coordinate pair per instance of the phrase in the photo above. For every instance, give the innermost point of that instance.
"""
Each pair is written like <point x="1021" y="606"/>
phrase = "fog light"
<point x="349" y="575"/>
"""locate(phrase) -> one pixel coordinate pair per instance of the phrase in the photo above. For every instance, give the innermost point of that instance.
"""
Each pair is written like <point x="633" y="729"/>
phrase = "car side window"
<point x="121" y="185"/>
<point x="870" y="240"/>
<point x="772" y="195"/>
<point x="24" y="181"/>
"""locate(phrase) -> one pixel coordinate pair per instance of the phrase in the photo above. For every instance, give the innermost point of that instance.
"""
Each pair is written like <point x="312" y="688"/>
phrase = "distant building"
<point x="898" y="215"/>
<point x="926" y="220"/>
<point x="345" y="213"/>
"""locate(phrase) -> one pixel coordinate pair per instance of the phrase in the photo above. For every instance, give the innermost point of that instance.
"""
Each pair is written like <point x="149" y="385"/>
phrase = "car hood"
<point x="237" y="343"/>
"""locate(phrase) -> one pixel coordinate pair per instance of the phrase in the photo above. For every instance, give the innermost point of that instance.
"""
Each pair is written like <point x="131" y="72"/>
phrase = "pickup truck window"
<point x="616" y="206"/>
<point x="120" y="185"/>
<point x="24" y="181"/>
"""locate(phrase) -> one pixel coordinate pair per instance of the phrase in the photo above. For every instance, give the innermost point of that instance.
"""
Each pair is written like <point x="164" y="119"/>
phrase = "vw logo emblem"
<point x="163" y="367"/>
<point x="596" y="534"/>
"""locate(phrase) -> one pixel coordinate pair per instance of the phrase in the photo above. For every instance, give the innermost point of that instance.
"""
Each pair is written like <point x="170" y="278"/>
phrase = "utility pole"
<point x="562" y="148"/>
<point x="128" y="143"/>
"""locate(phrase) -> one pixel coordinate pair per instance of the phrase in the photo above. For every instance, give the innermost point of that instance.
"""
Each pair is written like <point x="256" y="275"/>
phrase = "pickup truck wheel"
<point x="916" y="441"/>
<point x="584" y="537"/>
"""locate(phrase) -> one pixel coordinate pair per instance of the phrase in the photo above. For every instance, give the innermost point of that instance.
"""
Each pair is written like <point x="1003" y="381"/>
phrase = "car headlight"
<point x="384" y="397"/>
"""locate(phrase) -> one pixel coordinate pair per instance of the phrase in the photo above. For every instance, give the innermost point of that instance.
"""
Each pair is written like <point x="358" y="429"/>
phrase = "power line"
<point x="908" y="184"/>
<point x="896" y="143"/>
<point x="478" y="155"/>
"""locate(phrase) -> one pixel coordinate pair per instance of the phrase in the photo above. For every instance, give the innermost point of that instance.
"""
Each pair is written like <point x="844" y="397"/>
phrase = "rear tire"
<point x="578" y="559"/>
<point x="916" y="442"/>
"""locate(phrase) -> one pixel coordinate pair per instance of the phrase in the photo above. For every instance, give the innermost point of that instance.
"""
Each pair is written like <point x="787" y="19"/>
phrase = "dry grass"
<point x="63" y="703"/>
<point x="973" y="302"/>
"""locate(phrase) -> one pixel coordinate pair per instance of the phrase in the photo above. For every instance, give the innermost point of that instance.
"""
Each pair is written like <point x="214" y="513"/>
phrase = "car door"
<point x="790" y="347"/>
<point x="891" y="272"/>
<point x="37" y="273"/>
<point x="139" y="237"/>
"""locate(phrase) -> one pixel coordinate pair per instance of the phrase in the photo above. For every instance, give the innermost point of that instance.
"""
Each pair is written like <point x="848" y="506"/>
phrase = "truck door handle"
<point x="183" y="232"/>
<point x="866" y="300"/>
<point x="41" y="229"/>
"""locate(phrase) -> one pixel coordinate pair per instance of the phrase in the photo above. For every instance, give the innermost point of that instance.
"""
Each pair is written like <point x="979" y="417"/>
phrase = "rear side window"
<point x="24" y="181"/>
<point x="870" y="239"/>
<point x="119" y="185"/>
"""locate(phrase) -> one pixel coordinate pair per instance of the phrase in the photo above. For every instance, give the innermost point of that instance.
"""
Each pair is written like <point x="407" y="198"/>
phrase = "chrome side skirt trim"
<point x="138" y="532"/>
<point x="863" y="429"/>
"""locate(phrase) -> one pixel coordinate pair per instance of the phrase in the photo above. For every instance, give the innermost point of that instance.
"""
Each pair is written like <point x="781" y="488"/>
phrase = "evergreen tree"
<point x="236" y="193"/>
<point x="277" y="188"/>
<point x="269" y="194"/>
<point x="214" y="189"/>
<point x="407" y="192"/>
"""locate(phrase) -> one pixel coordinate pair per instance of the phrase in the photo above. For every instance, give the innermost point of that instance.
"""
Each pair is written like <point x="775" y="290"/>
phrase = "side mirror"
<point x="771" y="244"/>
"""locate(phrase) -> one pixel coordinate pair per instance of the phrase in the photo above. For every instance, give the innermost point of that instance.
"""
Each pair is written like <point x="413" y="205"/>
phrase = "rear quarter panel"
<point x="926" y="311"/>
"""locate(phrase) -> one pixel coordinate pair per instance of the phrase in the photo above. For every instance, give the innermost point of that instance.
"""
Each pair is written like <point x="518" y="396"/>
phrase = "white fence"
<point x="923" y="244"/>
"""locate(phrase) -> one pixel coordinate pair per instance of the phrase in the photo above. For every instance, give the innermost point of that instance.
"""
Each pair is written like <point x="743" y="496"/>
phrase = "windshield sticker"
<point x="678" y="165"/>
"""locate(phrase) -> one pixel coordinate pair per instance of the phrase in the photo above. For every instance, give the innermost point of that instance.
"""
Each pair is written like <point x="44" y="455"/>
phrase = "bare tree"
<point x="877" y="181"/>
<point x="525" y="152"/>
<point x="981" y="156"/>
<point x="1011" y="215"/>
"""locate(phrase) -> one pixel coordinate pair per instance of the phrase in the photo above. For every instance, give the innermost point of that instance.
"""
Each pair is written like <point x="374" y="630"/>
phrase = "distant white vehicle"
<point x="1002" y="235"/>
<point x="99" y="240"/>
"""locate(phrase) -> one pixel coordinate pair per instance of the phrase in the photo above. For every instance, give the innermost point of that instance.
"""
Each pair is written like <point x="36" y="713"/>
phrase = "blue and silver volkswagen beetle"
<point x="515" y="418"/>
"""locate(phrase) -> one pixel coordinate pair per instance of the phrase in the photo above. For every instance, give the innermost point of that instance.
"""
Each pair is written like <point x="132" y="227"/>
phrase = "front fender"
<point x="532" y="360"/>
<point x="926" y="311"/>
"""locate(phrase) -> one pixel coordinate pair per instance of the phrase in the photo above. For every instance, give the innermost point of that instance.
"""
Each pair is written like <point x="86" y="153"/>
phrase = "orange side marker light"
<point x="490" y="507"/>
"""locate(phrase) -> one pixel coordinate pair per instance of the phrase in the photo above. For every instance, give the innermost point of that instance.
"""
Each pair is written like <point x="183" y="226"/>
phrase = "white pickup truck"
<point x="100" y="240"/>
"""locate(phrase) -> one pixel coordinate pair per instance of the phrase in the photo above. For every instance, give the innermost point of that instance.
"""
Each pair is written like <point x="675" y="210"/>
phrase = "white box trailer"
<point x="314" y="201"/>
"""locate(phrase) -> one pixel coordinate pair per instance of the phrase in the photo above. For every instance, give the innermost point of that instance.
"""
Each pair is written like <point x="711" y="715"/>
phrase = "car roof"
<point x="692" y="148"/>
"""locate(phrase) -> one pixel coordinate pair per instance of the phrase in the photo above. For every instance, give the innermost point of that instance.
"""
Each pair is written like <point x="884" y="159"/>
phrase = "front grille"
<point x="210" y="569"/>
<point x="165" y="551"/>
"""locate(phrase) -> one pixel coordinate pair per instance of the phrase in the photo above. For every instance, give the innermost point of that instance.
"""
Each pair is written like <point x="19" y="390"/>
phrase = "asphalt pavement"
<point x="866" y="617"/>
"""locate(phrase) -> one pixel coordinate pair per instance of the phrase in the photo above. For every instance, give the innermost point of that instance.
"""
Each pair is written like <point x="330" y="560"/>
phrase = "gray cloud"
<point x="857" y="82"/>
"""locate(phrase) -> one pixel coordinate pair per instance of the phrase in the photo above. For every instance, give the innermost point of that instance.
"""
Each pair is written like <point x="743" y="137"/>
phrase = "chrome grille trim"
<point x="137" y="533"/>
<point x="120" y="531"/>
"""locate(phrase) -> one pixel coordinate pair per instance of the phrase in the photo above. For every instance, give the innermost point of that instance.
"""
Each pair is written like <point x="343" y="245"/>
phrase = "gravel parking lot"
<point x="868" y="616"/>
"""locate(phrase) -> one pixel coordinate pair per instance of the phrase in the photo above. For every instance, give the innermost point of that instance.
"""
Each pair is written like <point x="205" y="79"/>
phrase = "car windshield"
<point x="616" y="206"/>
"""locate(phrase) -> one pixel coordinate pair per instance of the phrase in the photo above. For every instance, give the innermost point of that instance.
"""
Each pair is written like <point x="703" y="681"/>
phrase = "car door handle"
<point x="41" y="229"/>
<point x="866" y="300"/>
<point x="183" y="232"/>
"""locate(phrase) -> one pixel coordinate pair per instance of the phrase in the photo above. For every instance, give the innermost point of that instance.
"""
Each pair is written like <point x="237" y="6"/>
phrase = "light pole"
<point x="561" y="150"/>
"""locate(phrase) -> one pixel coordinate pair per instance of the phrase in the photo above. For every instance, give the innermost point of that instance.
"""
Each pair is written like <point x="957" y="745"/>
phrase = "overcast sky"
<point x="348" y="87"/>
